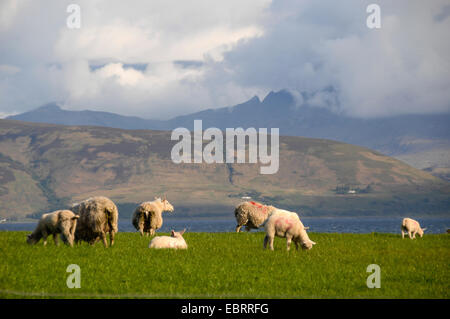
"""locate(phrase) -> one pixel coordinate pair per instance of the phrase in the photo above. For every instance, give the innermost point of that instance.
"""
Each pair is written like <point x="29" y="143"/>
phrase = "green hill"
<point x="45" y="166"/>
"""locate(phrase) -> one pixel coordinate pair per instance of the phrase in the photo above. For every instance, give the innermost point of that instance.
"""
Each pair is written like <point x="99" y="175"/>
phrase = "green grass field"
<point x="229" y="265"/>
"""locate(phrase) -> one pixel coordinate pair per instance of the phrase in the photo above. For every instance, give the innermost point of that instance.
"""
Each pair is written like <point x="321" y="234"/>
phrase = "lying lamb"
<point x="287" y="225"/>
<point x="61" y="222"/>
<point x="411" y="227"/>
<point x="175" y="241"/>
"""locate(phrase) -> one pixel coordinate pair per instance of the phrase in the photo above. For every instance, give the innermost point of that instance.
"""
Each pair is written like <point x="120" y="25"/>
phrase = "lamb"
<point x="147" y="217"/>
<point x="61" y="222"/>
<point x="175" y="241"/>
<point x="287" y="225"/>
<point x="251" y="214"/>
<point x="411" y="227"/>
<point x="98" y="216"/>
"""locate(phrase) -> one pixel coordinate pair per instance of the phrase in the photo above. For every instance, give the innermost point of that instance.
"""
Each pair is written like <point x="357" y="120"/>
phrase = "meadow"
<point x="229" y="265"/>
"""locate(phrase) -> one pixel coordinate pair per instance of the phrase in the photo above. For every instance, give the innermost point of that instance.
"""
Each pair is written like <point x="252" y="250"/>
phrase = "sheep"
<point x="175" y="241"/>
<point x="98" y="216"/>
<point x="411" y="227"/>
<point x="251" y="214"/>
<point x="147" y="217"/>
<point x="61" y="222"/>
<point x="285" y="224"/>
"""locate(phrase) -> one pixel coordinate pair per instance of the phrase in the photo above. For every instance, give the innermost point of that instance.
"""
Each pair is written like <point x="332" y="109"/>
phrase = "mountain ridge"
<point x="416" y="139"/>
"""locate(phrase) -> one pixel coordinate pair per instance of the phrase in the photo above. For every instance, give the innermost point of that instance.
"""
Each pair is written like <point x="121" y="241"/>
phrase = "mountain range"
<point x="421" y="140"/>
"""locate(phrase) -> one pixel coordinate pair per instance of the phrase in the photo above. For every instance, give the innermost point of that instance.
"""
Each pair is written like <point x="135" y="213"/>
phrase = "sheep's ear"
<point x="424" y="229"/>
<point x="75" y="217"/>
<point x="312" y="242"/>
<point x="172" y="232"/>
<point x="182" y="232"/>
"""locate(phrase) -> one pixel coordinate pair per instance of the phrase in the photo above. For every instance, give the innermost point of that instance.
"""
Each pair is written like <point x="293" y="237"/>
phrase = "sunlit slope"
<point x="44" y="166"/>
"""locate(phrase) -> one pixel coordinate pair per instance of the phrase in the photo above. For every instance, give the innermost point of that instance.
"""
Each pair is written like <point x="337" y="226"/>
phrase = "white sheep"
<point x="62" y="222"/>
<point x="147" y="217"/>
<point x="411" y="227"/>
<point x="175" y="241"/>
<point x="251" y="214"/>
<point x="285" y="224"/>
<point x="98" y="216"/>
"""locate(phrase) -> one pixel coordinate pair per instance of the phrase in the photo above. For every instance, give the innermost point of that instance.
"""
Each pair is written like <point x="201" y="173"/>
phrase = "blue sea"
<point x="358" y="225"/>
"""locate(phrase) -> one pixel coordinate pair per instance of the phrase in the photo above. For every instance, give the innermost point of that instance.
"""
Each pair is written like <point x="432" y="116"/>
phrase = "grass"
<point x="229" y="265"/>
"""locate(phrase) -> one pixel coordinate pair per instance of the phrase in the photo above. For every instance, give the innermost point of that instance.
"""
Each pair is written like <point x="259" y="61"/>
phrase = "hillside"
<point x="44" y="167"/>
<point x="418" y="139"/>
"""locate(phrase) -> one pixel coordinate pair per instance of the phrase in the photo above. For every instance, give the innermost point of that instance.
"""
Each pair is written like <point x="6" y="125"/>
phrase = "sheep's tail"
<point x="112" y="215"/>
<point x="74" y="225"/>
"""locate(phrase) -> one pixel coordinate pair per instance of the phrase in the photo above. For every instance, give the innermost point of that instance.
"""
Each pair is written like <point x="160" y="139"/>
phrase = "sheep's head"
<point x="307" y="244"/>
<point x="31" y="240"/>
<point x="166" y="205"/>
<point x="421" y="230"/>
<point x="177" y="234"/>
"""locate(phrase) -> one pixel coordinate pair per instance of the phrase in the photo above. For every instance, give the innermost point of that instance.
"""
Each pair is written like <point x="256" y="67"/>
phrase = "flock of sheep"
<point x="94" y="218"/>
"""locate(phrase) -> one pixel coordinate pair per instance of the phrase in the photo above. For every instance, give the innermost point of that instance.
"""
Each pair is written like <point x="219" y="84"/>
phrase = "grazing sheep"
<point x="175" y="241"/>
<point x="411" y="227"/>
<point x="61" y="222"/>
<point x="147" y="217"/>
<point x="287" y="225"/>
<point x="251" y="214"/>
<point x="98" y="216"/>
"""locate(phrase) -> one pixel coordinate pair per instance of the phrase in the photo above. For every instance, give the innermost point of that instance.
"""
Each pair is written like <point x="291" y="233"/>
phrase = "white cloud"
<point x="8" y="11"/>
<point x="235" y="49"/>
<point x="313" y="46"/>
<point x="114" y="34"/>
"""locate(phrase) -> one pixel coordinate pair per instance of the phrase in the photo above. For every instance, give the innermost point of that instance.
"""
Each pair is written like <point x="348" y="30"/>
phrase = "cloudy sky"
<point x="161" y="58"/>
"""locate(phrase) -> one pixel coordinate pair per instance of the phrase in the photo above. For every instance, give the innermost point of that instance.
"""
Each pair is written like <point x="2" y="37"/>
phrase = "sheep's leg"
<point x="414" y="235"/>
<point x="69" y="239"/>
<point x="288" y="243"/>
<point x="271" y="242"/>
<point x="55" y="239"/>
<point x="152" y="231"/>
<point x="44" y="237"/>
<point x="409" y="234"/>
<point x="296" y="245"/>
<point x="403" y="234"/>
<point x="103" y="236"/>
<point x="238" y="228"/>
<point x="266" y="239"/>
<point x="111" y="237"/>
